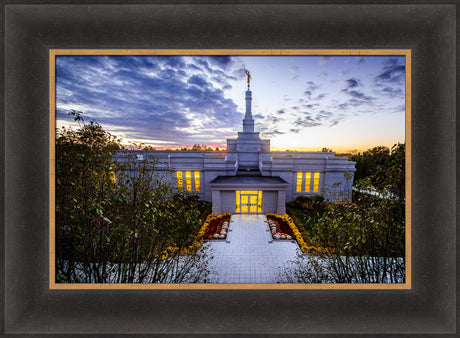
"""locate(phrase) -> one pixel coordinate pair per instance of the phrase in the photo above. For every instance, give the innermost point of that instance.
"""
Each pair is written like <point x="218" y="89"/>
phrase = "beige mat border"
<point x="256" y="52"/>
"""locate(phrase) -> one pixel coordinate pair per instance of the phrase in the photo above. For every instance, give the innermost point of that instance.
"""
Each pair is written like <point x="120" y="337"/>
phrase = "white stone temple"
<point x="249" y="178"/>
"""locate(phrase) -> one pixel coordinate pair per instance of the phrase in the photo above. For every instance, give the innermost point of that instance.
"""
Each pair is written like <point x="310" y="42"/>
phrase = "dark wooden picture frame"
<point x="31" y="307"/>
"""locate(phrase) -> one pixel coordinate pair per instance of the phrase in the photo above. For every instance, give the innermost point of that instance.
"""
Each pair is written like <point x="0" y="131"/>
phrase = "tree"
<point x="372" y="226"/>
<point x="116" y="221"/>
<point x="392" y="177"/>
<point x="365" y="240"/>
<point x="382" y="169"/>
<point x="83" y="167"/>
<point x="368" y="162"/>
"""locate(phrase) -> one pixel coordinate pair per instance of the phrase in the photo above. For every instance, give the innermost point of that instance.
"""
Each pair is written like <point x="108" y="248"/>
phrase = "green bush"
<point x="115" y="220"/>
<point x="367" y="237"/>
<point x="372" y="227"/>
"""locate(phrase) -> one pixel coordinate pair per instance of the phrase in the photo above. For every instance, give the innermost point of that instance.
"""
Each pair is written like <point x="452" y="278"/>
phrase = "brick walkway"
<point x="249" y="255"/>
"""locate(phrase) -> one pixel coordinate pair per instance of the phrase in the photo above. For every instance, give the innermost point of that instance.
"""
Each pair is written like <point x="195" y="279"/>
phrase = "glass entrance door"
<point x="249" y="201"/>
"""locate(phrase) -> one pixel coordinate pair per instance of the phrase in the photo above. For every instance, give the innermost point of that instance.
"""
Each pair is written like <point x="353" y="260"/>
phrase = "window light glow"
<point x="299" y="182"/>
<point x="180" y="183"/>
<point x="309" y="177"/>
<point x="307" y="181"/>
<point x="248" y="201"/>
<point x="244" y="203"/>
<point x="259" y="207"/>
<point x="188" y="180"/>
<point x="238" y="204"/>
<point x="196" y="175"/>
<point x="315" y="181"/>
<point x="253" y="203"/>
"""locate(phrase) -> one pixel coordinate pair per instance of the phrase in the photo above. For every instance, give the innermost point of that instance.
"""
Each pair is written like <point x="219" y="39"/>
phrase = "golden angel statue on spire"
<point x="249" y="76"/>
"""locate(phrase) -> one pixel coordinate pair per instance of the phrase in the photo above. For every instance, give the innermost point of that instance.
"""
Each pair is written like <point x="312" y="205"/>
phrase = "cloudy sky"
<point x="299" y="102"/>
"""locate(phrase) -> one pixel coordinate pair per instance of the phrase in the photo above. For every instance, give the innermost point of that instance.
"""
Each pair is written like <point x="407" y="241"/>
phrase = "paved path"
<point x="249" y="255"/>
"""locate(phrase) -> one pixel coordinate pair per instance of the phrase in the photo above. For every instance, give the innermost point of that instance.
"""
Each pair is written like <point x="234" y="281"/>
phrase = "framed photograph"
<point x="257" y="125"/>
<point x="265" y="203"/>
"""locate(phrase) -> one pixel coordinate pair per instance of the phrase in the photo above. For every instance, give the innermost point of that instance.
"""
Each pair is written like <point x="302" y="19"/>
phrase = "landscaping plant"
<point x="116" y="219"/>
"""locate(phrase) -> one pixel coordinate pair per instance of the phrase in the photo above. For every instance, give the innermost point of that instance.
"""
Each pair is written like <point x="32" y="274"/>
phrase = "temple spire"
<point x="248" y="121"/>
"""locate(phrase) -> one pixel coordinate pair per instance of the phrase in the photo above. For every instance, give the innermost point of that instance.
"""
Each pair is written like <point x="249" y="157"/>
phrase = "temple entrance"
<point x="248" y="201"/>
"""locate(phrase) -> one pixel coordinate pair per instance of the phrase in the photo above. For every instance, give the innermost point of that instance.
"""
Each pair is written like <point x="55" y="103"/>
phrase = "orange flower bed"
<point x="215" y="226"/>
<point x="282" y="228"/>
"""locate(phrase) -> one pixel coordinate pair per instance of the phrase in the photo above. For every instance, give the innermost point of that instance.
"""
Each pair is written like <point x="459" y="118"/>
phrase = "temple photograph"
<point x="229" y="169"/>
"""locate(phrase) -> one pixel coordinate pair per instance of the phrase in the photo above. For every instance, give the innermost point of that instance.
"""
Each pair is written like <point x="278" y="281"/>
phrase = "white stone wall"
<point x="228" y="202"/>
<point x="283" y="164"/>
<point x="270" y="201"/>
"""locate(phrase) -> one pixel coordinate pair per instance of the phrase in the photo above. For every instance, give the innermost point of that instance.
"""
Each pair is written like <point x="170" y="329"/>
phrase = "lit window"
<point x="180" y="183"/>
<point x="307" y="181"/>
<point x="238" y="205"/>
<point x="315" y="182"/>
<point x="299" y="182"/>
<point x="188" y="180"/>
<point x="196" y="174"/>
<point x="259" y="206"/>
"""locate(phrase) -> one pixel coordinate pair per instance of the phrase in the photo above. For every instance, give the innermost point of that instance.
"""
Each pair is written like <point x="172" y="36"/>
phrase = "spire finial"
<point x="249" y="77"/>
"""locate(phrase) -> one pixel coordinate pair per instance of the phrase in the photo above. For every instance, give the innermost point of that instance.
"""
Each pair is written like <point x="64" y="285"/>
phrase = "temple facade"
<point x="249" y="178"/>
